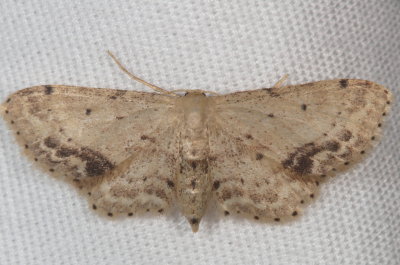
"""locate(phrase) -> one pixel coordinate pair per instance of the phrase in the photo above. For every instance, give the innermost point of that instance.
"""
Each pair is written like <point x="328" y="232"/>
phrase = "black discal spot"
<point x="294" y="213"/>
<point x="302" y="201"/>
<point x="304" y="107"/>
<point x="94" y="206"/>
<point x="346" y="163"/>
<point x="216" y="185"/>
<point x="69" y="139"/>
<point x="317" y="183"/>
<point x="113" y="97"/>
<point x="249" y="136"/>
<point x="226" y="213"/>
<point x="48" y="90"/>
<point x="18" y="133"/>
<point x="130" y="214"/>
<point x="311" y="195"/>
<point x="96" y="163"/>
<point x="147" y="210"/>
<point x="161" y="210"/>
<point x="194" y="221"/>
<point x="242" y="181"/>
<point x="26" y="146"/>
<point x="50" y="142"/>
<point x="388" y="102"/>
<point x="362" y="152"/>
<point x="271" y="115"/>
<point x="6" y="111"/>
<point x="277" y="219"/>
<point x="344" y="83"/>
<point x="379" y="124"/>
<point x="110" y="214"/>
<point x="88" y="111"/>
<point x="373" y="138"/>
<point x="36" y="159"/>
<point x="333" y="169"/>
<point x="8" y="100"/>
<point x="323" y="176"/>
<point x="170" y="183"/>
<point x="89" y="193"/>
<point x="259" y="156"/>
<point x="12" y="122"/>
<point x="119" y="117"/>
<point x="256" y="217"/>
<point x="384" y="114"/>
<point x="51" y="169"/>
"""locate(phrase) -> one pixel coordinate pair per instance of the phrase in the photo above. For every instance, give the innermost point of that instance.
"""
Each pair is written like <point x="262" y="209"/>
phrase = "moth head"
<point x="195" y="93"/>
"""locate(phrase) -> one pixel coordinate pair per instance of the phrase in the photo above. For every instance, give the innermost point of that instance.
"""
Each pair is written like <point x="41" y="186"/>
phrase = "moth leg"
<point x="281" y="81"/>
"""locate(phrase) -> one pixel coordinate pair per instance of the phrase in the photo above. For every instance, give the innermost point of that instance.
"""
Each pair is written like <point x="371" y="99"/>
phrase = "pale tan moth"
<point x="259" y="153"/>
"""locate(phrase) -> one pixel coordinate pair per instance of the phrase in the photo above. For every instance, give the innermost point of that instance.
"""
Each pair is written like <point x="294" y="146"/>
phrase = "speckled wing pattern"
<point x="260" y="153"/>
<point x="90" y="136"/>
<point x="270" y="148"/>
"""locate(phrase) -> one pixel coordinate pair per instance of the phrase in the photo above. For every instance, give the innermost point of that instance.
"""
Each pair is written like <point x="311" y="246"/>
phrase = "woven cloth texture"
<point x="223" y="46"/>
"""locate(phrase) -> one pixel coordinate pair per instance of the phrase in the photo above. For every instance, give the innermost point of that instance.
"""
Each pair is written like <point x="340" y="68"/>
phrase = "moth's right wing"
<point x="80" y="132"/>
<point x="145" y="182"/>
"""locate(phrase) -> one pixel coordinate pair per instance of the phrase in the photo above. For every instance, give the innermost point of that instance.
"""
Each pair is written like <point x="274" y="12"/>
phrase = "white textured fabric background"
<point x="222" y="46"/>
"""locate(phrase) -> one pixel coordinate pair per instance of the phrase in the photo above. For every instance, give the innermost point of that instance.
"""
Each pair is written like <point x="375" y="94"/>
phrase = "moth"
<point x="261" y="153"/>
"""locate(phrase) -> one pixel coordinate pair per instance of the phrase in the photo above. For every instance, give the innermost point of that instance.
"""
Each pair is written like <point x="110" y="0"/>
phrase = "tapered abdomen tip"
<point x="194" y="223"/>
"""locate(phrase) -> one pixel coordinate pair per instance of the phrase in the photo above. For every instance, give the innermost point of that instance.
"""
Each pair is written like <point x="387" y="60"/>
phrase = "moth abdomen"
<point x="193" y="189"/>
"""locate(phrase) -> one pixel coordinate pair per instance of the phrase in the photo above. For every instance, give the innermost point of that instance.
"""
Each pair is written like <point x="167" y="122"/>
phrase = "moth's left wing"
<point x="311" y="129"/>
<point x="291" y="136"/>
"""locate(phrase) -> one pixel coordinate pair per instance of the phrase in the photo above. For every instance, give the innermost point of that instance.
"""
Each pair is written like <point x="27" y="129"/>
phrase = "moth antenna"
<point x="281" y="81"/>
<point x="154" y="87"/>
